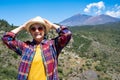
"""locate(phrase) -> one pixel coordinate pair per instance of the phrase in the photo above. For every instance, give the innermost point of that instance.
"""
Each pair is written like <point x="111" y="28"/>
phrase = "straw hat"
<point x="37" y="19"/>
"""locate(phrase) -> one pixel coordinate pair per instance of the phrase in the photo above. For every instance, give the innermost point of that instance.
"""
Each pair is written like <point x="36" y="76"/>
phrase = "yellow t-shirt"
<point x="37" y="70"/>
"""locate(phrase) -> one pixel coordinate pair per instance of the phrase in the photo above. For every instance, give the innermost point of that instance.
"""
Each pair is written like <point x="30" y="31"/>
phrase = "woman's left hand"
<point x="48" y="23"/>
<point x="51" y="25"/>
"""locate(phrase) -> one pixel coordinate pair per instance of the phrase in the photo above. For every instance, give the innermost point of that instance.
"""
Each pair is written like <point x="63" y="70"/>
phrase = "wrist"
<point x="18" y="29"/>
<point x="55" y="26"/>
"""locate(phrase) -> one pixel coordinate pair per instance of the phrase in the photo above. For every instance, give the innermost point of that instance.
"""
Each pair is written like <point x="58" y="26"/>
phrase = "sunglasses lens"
<point x="39" y="29"/>
<point x="33" y="29"/>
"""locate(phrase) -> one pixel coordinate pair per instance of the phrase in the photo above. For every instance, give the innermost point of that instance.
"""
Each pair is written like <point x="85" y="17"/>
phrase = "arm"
<point x="9" y="39"/>
<point x="64" y="36"/>
<point x="18" y="29"/>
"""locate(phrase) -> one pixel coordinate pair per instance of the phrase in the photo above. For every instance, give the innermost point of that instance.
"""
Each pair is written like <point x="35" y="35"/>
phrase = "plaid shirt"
<point x="50" y="52"/>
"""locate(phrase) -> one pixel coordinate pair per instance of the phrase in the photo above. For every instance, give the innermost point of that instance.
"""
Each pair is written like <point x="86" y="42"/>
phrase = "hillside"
<point x="92" y="54"/>
<point x="101" y="44"/>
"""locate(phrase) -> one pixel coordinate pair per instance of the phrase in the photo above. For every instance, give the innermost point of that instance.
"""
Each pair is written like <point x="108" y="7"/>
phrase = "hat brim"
<point x="33" y="22"/>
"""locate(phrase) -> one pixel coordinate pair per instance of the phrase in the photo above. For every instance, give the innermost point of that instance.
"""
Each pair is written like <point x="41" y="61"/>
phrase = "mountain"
<point x="100" y="19"/>
<point x="82" y="19"/>
<point x="75" y="20"/>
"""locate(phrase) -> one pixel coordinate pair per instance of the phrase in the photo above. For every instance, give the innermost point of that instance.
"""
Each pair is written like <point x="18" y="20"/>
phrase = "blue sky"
<point x="18" y="11"/>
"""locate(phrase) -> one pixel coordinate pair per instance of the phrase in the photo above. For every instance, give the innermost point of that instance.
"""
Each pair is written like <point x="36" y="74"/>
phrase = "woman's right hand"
<point x="20" y="28"/>
<point x="23" y="26"/>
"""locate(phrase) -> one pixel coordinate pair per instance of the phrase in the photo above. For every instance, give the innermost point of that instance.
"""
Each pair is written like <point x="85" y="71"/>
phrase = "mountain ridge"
<point x="83" y="19"/>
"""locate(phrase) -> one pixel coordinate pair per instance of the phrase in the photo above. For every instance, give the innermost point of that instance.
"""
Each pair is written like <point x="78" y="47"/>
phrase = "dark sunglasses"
<point x="34" y="29"/>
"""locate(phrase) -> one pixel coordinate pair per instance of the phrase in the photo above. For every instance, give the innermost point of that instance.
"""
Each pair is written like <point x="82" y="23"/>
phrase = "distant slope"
<point x="100" y="19"/>
<point x="82" y="19"/>
<point x="75" y="20"/>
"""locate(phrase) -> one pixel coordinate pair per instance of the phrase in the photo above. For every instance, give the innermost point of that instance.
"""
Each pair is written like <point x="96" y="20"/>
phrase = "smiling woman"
<point x="40" y="57"/>
<point x="37" y="31"/>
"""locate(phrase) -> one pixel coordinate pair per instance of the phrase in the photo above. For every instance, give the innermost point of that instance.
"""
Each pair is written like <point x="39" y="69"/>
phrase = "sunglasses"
<point x="34" y="29"/>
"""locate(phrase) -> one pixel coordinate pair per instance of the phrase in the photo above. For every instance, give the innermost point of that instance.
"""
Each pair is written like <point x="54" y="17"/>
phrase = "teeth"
<point x="39" y="34"/>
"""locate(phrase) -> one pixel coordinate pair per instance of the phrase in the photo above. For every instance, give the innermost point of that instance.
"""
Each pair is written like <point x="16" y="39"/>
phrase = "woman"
<point x="39" y="58"/>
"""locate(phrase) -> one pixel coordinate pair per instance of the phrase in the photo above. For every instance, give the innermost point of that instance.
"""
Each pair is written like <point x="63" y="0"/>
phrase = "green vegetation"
<point x="100" y="43"/>
<point x="98" y="46"/>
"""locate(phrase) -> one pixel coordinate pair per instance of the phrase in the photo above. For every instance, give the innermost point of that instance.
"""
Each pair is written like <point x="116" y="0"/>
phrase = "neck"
<point x="38" y="41"/>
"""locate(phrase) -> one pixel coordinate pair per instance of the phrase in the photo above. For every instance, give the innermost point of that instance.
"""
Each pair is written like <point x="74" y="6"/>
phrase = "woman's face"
<point x="37" y="31"/>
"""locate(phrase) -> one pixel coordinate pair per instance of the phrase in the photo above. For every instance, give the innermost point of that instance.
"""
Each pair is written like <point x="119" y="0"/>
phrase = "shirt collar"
<point x="42" y="42"/>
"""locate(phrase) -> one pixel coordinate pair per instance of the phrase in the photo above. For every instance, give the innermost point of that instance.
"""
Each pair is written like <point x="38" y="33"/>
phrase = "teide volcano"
<point x="82" y="19"/>
<point x="75" y="20"/>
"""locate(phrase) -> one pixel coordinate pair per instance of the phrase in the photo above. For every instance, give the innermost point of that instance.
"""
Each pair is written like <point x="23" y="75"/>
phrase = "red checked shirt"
<point x="50" y="50"/>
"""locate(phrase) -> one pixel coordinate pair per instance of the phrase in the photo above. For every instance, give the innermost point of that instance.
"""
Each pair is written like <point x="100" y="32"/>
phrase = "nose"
<point x="36" y="30"/>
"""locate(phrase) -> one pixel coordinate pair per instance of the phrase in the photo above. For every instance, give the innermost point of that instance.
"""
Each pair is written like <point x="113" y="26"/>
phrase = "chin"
<point x="39" y="37"/>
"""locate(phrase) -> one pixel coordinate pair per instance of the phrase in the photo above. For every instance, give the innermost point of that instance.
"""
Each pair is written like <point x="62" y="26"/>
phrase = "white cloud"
<point x="99" y="5"/>
<point x="115" y="12"/>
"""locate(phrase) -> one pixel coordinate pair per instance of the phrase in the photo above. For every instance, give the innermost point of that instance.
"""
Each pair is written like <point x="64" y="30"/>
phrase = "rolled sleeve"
<point x="64" y="37"/>
<point x="15" y="45"/>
